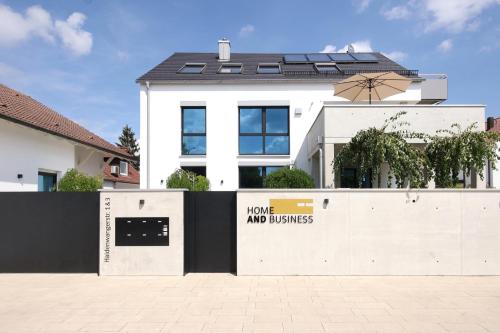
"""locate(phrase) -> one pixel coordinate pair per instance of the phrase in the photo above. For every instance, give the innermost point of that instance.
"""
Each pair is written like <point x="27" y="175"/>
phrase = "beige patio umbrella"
<point x="371" y="86"/>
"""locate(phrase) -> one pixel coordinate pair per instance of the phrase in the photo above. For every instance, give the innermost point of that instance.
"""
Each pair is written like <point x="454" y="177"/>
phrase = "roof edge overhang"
<point x="41" y="129"/>
<point x="249" y="81"/>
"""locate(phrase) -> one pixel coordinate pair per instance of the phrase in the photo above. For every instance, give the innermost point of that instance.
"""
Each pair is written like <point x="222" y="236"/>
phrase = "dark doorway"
<point x="210" y="232"/>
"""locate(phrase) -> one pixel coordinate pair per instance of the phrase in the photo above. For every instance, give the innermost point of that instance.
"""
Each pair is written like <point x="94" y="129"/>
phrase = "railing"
<point x="349" y="72"/>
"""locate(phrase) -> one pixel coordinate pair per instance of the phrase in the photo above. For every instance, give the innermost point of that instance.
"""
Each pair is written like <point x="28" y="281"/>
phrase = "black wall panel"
<point x="49" y="232"/>
<point x="210" y="232"/>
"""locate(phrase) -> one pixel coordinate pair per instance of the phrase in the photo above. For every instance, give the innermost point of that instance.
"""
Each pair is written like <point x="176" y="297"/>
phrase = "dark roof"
<point x="22" y="109"/>
<point x="168" y="69"/>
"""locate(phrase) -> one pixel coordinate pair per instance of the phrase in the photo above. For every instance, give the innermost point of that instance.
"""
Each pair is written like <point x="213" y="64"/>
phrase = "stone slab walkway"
<point x="227" y="303"/>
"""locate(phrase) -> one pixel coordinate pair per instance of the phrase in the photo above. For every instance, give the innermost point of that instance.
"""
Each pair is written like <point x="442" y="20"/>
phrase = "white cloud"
<point x="397" y="13"/>
<point x="74" y="38"/>
<point x="122" y="55"/>
<point x="454" y="16"/>
<point x="37" y="22"/>
<point x="329" y="49"/>
<point x="361" y="5"/>
<point x="445" y="46"/>
<point x="359" y="46"/>
<point x="247" y="30"/>
<point x="15" y="27"/>
<point x="396" y="55"/>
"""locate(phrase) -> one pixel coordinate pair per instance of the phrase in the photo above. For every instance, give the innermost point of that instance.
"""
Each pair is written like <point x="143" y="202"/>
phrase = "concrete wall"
<point x="374" y="232"/>
<point x="222" y="102"/>
<point x="141" y="260"/>
<point x="343" y="122"/>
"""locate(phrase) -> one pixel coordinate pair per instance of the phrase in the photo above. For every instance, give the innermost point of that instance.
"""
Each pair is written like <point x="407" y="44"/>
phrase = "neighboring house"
<point x="493" y="124"/>
<point x="38" y="145"/>
<point x="120" y="174"/>
<point x="236" y="117"/>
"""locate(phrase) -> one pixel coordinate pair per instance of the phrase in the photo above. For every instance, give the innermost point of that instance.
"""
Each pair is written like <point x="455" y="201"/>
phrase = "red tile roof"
<point x="22" y="109"/>
<point x="496" y="125"/>
<point x="132" y="177"/>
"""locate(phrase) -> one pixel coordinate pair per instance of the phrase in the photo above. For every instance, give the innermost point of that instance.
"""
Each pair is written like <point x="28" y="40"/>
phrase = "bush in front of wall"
<point x="189" y="180"/>
<point x="76" y="181"/>
<point x="289" y="178"/>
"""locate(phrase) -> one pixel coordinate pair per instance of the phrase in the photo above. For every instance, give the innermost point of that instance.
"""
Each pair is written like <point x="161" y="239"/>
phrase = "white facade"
<point x="26" y="152"/>
<point x="162" y="143"/>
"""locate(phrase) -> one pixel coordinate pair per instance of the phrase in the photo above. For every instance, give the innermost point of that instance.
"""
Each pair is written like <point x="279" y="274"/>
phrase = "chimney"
<point x="490" y="123"/>
<point x="224" y="49"/>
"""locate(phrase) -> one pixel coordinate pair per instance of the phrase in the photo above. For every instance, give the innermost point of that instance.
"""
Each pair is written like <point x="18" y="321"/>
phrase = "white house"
<point x="236" y="117"/>
<point x="38" y="145"/>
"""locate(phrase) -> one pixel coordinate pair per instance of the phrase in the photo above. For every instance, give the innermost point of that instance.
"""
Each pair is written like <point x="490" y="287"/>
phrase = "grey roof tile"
<point x="168" y="69"/>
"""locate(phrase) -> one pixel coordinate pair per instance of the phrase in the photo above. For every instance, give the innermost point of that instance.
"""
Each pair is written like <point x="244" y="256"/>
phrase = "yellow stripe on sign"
<point x="291" y="206"/>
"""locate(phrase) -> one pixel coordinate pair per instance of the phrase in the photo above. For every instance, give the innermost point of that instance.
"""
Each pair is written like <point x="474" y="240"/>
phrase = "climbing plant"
<point x="372" y="147"/>
<point x="454" y="150"/>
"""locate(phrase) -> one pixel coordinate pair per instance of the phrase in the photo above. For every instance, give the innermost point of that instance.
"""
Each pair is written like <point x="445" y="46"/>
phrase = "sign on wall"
<point x="282" y="211"/>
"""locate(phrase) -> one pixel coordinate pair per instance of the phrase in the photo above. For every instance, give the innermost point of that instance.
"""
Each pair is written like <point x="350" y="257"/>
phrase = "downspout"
<point x="320" y="166"/>
<point x="148" y="136"/>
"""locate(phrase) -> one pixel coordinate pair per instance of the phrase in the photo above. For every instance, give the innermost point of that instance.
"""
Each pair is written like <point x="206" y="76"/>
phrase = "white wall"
<point x="26" y="151"/>
<point x="495" y="174"/>
<point x="374" y="232"/>
<point x="111" y="185"/>
<point x="343" y="122"/>
<point x="222" y="102"/>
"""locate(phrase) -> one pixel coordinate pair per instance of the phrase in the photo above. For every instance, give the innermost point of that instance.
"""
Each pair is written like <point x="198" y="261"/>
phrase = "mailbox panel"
<point x="142" y="231"/>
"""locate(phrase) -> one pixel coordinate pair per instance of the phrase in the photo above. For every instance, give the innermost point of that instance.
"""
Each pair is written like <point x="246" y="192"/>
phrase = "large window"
<point x="253" y="176"/>
<point x="264" y="131"/>
<point x="348" y="179"/>
<point x="47" y="182"/>
<point x="194" y="133"/>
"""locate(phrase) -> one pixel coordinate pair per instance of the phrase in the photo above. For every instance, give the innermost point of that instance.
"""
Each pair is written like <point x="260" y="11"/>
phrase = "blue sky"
<point x="82" y="57"/>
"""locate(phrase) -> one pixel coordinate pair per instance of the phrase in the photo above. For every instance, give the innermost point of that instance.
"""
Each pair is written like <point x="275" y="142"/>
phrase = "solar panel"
<point x="341" y="57"/>
<point x="318" y="57"/>
<point x="368" y="57"/>
<point x="295" y="58"/>
<point x="327" y="68"/>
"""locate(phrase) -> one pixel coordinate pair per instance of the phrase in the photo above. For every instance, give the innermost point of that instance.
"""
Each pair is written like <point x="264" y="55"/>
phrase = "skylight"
<point x="230" y="69"/>
<point x="268" y="69"/>
<point x="192" y="68"/>
<point x="326" y="68"/>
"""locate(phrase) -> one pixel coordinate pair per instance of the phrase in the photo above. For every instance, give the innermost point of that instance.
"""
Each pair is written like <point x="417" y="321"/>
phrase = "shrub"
<point x="76" y="181"/>
<point x="186" y="179"/>
<point x="289" y="178"/>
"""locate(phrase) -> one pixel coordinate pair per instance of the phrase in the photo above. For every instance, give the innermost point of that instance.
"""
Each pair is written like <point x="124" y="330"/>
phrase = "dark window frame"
<point x="264" y="172"/>
<point x="229" y="64"/>
<point x="47" y="174"/>
<point x="263" y="134"/>
<point x="192" y="64"/>
<point x="268" y="64"/>
<point x="193" y="134"/>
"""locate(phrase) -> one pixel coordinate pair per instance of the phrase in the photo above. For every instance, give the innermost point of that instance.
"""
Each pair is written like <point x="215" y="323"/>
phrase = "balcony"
<point x="434" y="88"/>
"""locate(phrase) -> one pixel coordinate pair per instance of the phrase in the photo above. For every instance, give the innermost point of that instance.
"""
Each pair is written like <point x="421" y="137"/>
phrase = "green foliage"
<point x="289" y="178"/>
<point x="189" y="180"/>
<point x="461" y="150"/>
<point x="76" y="181"/>
<point x="370" y="148"/>
<point x="128" y="141"/>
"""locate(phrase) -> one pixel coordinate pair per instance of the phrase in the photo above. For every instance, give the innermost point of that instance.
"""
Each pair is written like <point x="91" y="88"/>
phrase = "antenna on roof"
<point x="350" y="48"/>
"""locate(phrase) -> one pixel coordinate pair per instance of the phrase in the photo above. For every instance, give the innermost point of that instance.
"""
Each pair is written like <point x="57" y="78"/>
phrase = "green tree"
<point x="189" y="180"/>
<point x="289" y="178"/>
<point x="372" y="147"/>
<point x="461" y="151"/>
<point x="128" y="141"/>
<point x="76" y="181"/>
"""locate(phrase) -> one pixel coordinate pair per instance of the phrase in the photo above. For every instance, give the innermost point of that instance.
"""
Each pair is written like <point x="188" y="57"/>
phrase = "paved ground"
<point x="225" y="303"/>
